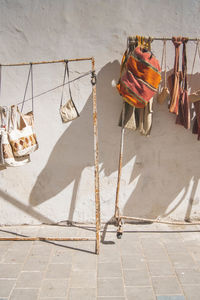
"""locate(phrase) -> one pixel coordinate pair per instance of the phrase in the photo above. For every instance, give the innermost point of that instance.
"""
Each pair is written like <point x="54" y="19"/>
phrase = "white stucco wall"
<point x="161" y="173"/>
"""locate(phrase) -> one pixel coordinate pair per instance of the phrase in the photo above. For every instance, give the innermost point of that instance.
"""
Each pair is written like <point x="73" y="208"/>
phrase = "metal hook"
<point x="94" y="78"/>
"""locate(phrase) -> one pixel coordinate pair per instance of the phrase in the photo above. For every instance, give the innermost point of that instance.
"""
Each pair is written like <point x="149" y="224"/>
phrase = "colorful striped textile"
<point x="140" y="77"/>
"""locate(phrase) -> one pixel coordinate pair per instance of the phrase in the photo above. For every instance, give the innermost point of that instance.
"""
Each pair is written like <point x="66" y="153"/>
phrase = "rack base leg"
<point x="120" y="229"/>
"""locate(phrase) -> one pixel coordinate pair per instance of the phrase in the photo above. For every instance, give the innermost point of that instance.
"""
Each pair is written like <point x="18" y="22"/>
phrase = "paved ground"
<point x="150" y="262"/>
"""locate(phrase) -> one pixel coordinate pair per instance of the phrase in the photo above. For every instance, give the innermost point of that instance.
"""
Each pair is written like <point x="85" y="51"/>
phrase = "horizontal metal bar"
<point x="169" y="39"/>
<point x="161" y="38"/>
<point x="45" y="62"/>
<point x="45" y="239"/>
<point x="158" y="221"/>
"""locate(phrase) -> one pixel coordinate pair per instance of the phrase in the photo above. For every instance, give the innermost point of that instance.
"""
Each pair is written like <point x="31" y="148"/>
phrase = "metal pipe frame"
<point x="96" y="162"/>
<point x="117" y="215"/>
<point x="46" y="239"/>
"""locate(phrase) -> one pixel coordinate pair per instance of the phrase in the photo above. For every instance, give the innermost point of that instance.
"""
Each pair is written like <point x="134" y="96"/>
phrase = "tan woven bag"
<point x="68" y="111"/>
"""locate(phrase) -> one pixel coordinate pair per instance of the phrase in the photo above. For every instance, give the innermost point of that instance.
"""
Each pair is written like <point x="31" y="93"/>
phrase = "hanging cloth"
<point x="137" y="118"/>
<point x="183" y="117"/>
<point x="131" y="117"/>
<point x="195" y="96"/>
<point x="141" y="77"/>
<point x="146" y="118"/>
<point x="195" y="99"/>
<point x="174" y="79"/>
<point x="163" y="95"/>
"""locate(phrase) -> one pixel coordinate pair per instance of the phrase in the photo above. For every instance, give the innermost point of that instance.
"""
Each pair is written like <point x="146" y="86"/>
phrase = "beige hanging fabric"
<point x="163" y="95"/>
<point x="146" y="118"/>
<point x="195" y="96"/>
<point x="68" y="111"/>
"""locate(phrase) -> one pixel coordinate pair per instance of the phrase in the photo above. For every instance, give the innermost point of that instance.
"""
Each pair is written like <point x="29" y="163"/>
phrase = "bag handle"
<point x="195" y="55"/>
<point x="30" y="77"/>
<point x="12" y="118"/>
<point x="184" y="64"/>
<point x="70" y="92"/>
<point x="3" y="109"/>
<point x="61" y="100"/>
<point x="164" y="62"/>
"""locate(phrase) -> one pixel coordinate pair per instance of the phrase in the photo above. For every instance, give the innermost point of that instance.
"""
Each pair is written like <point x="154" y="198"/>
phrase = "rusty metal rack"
<point x="96" y="160"/>
<point x="118" y="217"/>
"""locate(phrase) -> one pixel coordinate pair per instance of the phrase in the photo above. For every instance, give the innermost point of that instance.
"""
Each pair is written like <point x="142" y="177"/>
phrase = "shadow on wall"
<point x="166" y="160"/>
<point x="74" y="150"/>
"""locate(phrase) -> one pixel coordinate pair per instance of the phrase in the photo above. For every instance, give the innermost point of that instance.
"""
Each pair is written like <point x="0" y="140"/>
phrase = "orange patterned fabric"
<point x="144" y="71"/>
<point x="141" y="77"/>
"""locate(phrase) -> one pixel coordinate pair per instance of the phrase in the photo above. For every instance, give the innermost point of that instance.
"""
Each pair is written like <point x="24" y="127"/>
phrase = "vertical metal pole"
<point x="117" y="214"/>
<point x="96" y="160"/>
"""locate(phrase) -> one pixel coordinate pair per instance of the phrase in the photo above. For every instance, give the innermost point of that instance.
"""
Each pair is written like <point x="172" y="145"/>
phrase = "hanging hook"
<point x="94" y="78"/>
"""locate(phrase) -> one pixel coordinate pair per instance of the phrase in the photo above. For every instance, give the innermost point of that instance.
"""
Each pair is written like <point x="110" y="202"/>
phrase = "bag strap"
<point x="163" y="52"/>
<point x="165" y="63"/>
<point x="195" y="55"/>
<point x="30" y="76"/>
<point x="3" y="117"/>
<point x="66" y="71"/>
<point x="184" y="64"/>
<point x="12" y="118"/>
<point x="3" y="109"/>
<point x="64" y="77"/>
<point x="70" y="92"/>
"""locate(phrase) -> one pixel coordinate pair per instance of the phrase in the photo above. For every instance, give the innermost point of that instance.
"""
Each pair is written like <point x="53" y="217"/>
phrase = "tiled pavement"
<point x="150" y="262"/>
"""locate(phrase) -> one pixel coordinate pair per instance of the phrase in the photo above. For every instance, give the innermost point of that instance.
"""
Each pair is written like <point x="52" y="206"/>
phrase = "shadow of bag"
<point x="68" y="111"/>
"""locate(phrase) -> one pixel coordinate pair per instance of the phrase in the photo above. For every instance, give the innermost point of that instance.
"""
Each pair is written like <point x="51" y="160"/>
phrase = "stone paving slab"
<point x="150" y="262"/>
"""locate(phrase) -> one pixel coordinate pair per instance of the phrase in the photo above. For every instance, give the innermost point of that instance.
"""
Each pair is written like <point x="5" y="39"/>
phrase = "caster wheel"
<point x="119" y="235"/>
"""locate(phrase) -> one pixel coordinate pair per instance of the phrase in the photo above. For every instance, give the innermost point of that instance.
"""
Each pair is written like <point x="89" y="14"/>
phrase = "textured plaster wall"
<point x="160" y="177"/>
